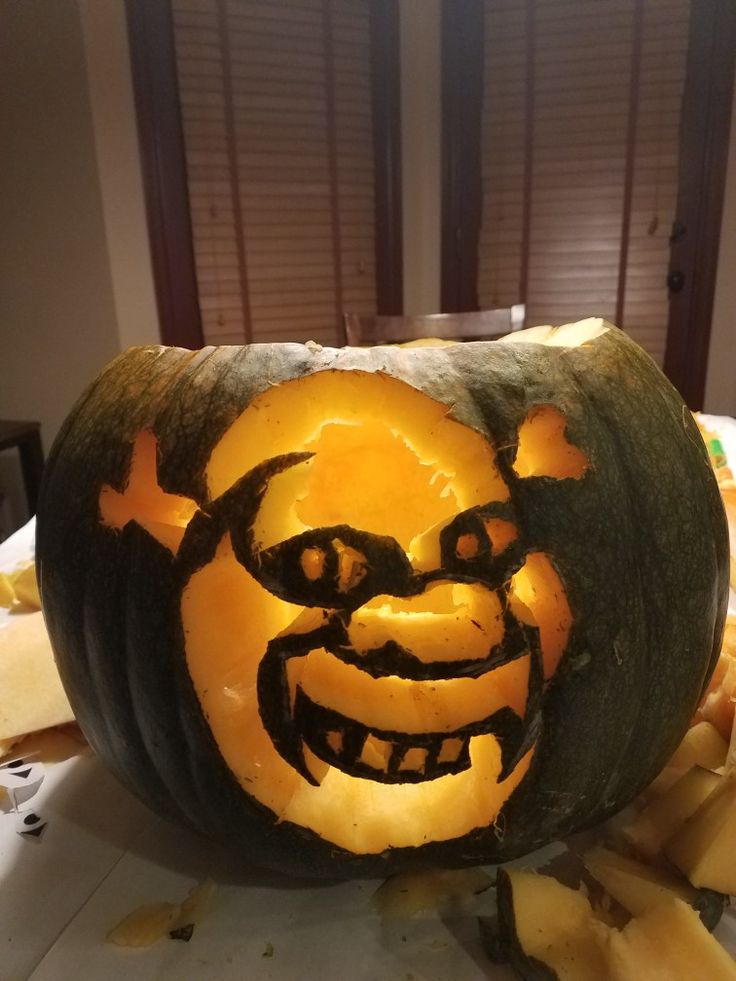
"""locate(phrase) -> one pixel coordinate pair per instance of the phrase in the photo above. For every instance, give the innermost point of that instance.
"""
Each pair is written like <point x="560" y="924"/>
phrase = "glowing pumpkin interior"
<point x="406" y="767"/>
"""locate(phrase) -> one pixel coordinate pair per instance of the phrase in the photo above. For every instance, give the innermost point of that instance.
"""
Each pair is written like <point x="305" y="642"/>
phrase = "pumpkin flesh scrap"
<point x="667" y="942"/>
<point x="548" y="930"/>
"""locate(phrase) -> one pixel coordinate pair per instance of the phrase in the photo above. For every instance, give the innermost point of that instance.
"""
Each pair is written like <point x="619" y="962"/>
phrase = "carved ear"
<point x="544" y="450"/>
<point x="164" y="516"/>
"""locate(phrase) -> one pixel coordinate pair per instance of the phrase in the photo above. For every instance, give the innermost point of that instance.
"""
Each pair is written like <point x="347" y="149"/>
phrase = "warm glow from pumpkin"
<point x="388" y="460"/>
<point x="539" y="589"/>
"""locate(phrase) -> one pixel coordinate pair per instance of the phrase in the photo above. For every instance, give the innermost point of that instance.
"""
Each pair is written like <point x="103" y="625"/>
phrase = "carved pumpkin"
<point x="357" y="610"/>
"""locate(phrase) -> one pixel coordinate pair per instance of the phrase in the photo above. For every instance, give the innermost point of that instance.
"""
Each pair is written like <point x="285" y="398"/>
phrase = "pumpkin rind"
<point x="640" y="543"/>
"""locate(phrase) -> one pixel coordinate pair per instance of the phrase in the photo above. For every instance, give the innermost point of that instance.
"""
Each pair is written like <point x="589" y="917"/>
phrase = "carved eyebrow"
<point x="233" y="511"/>
<point x="384" y="568"/>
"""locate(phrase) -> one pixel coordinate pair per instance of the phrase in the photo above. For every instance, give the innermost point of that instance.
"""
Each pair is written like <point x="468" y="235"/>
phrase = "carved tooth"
<point x="414" y="759"/>
<point x="376" y="753"/>
<point x="451" y="748"/>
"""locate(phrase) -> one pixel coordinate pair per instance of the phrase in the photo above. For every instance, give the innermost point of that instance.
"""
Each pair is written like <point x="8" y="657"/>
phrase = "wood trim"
<point x="637" y="34"/>
<point x="232" y="152"/>
<point x="386" y="112"/>
<point x="462" y="189"/>
<point x="329" y="63"/>
<point x="705" y="128"/>
<point x="155" y="85"/>
<point x="529" y="108"/>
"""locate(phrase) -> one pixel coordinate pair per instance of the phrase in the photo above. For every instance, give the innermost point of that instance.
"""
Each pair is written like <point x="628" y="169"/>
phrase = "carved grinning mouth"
<point x="294" y="720"/>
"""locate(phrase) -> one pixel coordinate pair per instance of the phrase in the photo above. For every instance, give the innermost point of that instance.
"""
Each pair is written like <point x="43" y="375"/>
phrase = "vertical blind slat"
<point x="257" y="120"/>
<point x="578" y="155"/>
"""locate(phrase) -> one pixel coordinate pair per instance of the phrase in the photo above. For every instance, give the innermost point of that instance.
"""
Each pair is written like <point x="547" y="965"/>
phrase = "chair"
<point x="26" y="438"/>
<point x="366" y="330"/>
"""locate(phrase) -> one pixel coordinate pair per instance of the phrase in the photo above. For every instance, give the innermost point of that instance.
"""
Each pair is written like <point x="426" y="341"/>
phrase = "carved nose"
<point x="449" y="621"/>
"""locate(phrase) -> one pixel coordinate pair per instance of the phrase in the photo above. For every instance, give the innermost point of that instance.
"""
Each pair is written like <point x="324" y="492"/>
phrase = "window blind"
<point x="655" y="172"/>
<point x="580" y="142"/>
<point x="276" y="113"/>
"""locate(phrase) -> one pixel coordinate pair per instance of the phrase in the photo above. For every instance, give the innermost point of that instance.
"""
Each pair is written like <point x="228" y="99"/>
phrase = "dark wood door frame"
<point x="386" y="104"/>
<point x="704" y="141"/>
<point x="462" y="27"/>
<point x="163" y="164"/>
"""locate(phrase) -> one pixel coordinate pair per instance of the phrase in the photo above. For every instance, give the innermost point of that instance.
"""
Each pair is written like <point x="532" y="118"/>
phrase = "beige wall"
<point x="720" y="388"/>
<point x="72" y="233"/>
<point x="118" y="164"/>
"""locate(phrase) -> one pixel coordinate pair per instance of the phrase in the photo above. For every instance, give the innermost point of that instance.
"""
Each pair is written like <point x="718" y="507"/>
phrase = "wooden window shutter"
<point x="276" y="112"/>
<point x="644" y="303"/>
<point x="580" y="142"/>
<point x="503" y="147"/>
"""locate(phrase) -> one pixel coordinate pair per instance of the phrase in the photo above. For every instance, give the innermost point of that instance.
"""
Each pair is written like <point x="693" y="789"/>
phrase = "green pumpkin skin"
<point x="640" y="543"/>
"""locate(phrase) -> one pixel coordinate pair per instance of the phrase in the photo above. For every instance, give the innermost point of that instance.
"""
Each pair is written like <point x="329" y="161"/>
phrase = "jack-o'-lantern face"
<point x="367" y="630"/>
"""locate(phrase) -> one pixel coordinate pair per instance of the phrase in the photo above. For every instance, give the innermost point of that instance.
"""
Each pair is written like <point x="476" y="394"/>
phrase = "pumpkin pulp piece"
<point x="719" y="704"/>
<point x="704" y="847"/>
<point x="632" y="884"/>
<point x="405" y="895"/>
<point x="543" y="924"/>
<point x="31" y="694"/>
<point x="25" y="585"/>
<point x="145" y="925"/>
<point x="577" y="334"/>
<point x="658" y="822"/>
<point x="702" y="745"/>
<point x="667" y="943"/>
<point x="7" y="592"/>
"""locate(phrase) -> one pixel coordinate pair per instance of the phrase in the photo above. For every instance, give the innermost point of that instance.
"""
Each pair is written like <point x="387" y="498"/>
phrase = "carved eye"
<point x="482" y="544"/>
<point x="336" y="568"/>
